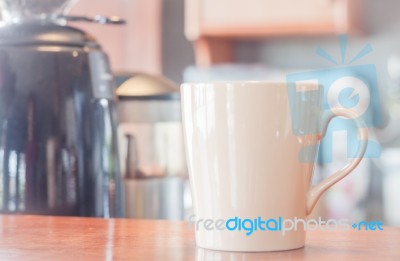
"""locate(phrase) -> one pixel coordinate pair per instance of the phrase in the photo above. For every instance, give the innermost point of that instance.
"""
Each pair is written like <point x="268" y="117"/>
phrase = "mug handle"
<point x="315" y="192"/>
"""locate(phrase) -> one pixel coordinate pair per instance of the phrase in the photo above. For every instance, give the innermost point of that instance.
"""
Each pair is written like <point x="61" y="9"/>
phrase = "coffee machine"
<point x="58" y="142"/>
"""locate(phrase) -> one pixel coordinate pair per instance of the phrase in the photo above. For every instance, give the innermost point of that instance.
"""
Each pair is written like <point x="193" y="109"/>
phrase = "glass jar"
<point x="19" y="11"/>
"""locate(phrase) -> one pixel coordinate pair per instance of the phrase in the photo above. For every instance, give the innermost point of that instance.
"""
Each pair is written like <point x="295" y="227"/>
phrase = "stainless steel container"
<point x="155" y="168"/>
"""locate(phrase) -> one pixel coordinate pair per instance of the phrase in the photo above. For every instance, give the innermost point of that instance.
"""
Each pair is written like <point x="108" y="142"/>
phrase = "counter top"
<point x="71" y="238"/>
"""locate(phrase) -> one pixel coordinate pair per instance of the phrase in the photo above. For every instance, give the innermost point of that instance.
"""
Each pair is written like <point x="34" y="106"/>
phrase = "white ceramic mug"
<point x="245" y="144"/>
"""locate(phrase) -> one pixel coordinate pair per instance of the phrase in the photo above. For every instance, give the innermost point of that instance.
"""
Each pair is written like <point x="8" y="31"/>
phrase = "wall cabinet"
<point x="212" y="24"/>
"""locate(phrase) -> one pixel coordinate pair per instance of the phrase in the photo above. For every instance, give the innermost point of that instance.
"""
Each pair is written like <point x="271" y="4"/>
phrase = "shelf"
<point x="213" y="25"/>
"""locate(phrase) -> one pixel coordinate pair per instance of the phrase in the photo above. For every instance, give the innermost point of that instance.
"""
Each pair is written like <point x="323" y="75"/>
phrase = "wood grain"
<point x="69" y="238"/>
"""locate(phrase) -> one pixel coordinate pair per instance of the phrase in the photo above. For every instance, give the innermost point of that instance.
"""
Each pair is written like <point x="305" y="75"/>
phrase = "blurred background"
<point x="166" y="42"/>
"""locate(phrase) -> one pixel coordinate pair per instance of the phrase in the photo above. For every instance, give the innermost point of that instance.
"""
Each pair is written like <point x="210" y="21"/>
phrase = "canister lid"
<point x="146" y="86"/>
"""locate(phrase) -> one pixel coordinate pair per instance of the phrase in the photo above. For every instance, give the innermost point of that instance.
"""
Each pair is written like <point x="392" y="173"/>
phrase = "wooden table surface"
<point x="71" y="238"/>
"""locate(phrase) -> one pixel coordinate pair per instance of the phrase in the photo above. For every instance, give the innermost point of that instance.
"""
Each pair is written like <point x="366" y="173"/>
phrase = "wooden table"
<point x="67" y="238"/>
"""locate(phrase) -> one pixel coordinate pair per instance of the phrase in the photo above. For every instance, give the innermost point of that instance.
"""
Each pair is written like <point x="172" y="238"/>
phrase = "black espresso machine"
<point x="58" y="140"/>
